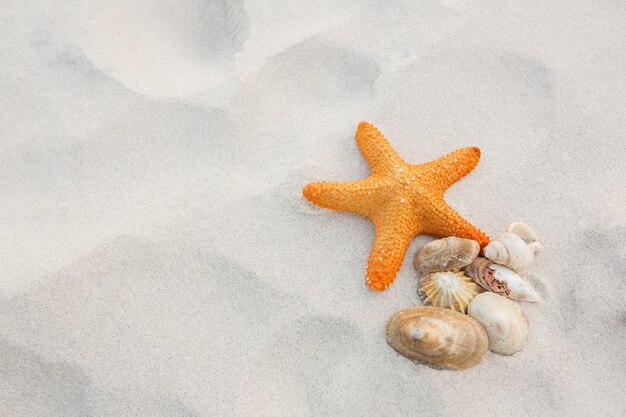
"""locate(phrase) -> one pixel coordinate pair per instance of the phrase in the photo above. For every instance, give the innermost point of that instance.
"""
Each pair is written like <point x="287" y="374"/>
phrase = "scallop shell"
<point x="501" y="280"/>
<point x="510" y="250"/>
<point x="437" y="337"/>
<point x="527" y="234"/>
<point x="448" y="254"/>
<point x="506" y="325"/>
<point x="453" y="290"/>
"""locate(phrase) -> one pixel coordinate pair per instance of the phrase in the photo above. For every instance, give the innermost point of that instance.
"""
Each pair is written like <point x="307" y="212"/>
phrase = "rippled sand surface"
<point x="157" y="258"/>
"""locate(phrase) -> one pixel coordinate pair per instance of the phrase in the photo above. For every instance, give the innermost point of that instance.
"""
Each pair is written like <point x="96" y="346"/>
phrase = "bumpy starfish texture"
<point x="401" y="200"/>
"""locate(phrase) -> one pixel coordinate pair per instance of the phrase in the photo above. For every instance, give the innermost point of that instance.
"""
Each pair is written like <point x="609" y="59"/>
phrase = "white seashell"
<point x="447" y="254"/>
<point x="453" y="290"/>
<point x="437" y="337"/>
<point x="496" y="251"/>
<point x="510" y="250"/>
<point x="506" y="325"/>
<point x="535" y="247"/>
<point x="500" y="280"/>
<point x="527" y="234"/>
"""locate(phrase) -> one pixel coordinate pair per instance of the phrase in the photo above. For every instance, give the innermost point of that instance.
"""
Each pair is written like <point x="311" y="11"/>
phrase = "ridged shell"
<point x="510" y="250"/>
<point x="437" y="337"/>
<point x="506" y="325"/>
<point x="500" y="280"/>
<point x="447" y="254"/>
<point x="453" y="290"/>
<point x="527" y="234"/>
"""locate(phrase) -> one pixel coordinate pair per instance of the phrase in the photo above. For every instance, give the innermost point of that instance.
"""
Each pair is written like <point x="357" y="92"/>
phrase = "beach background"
<point x="157" y="258"/>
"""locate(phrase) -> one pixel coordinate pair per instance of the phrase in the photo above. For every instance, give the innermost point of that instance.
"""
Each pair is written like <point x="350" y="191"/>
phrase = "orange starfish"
<point x="402" y="201"/>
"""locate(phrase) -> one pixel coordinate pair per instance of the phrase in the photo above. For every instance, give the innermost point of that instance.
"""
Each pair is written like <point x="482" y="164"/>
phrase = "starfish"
<point x="400" y="199"/>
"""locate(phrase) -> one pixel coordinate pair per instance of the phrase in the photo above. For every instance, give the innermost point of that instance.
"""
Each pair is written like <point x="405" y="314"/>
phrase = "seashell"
<point x="501" y="280"/>
<point x="453" y="290"/>
<point x="506" y="325"/>
<point x="448" y="254"/>
<point x="510" y="250"/>
<point x="527" y="234"/>
<point x="437" y="337"/>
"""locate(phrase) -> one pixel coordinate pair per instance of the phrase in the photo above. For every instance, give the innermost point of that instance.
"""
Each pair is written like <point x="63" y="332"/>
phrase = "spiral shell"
<point x="500" y="280"/>
<point x="448" y="254"/>
<point x="437" y="337"/>
<point x="506" y="325"/>
<point x="527" y="234"/>
<point x="510" y="250"/>
<point x="453" y="290"/>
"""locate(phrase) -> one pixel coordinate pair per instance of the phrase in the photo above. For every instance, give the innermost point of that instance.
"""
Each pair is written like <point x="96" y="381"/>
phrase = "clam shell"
<point x="448" y="254"/>
<point x="437" y="337"/>
<point x="453" y="290"/>
<point x="506" y="325"/>
<point x="500" y="280"/>
<point x="510" y="250"/>
<point x="527" y="234"/>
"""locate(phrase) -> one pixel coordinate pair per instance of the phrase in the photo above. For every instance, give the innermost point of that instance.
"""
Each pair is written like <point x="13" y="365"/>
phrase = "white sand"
<point x="157" y="259"/>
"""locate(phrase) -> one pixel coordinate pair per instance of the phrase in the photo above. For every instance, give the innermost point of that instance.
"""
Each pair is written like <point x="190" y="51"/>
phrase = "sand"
<point x="157" y="258"/>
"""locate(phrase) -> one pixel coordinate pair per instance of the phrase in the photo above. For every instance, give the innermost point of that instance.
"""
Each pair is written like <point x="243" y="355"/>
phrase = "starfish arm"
<point x="451" y="167"/>
<point x="392" y="240"/>
<point x="450" y="223"/>
<point x="377" y="151"/>
<point x="353" y="197"/>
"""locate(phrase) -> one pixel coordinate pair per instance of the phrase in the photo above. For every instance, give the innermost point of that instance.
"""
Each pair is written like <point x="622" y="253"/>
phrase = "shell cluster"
<point x="512" y="254"/>
<point x="455" y="280"/>
<point x="442" y="283"/>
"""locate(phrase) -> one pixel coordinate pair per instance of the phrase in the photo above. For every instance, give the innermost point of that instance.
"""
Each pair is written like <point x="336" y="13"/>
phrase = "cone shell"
<point x="506" y="325"/>
<point x="448" y="254"/>
<point x="500" y="280"/>
<point x="453" y="290"/>
<point x="510" y="250"/>
<point x="527" y="234"/>
<point x="437" y="337"/>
